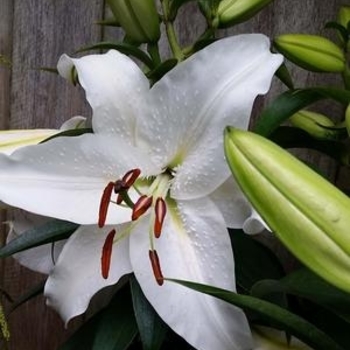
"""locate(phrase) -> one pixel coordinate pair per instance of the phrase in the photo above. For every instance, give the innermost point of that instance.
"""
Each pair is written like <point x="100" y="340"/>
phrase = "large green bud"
<point x="231" y="12"/>
<point x="316" y="124"/>
<point x="139" y="19"/>
<point x="312" y="52"/>
<point x="306" y="212"/>
<point x="347" y="119"/>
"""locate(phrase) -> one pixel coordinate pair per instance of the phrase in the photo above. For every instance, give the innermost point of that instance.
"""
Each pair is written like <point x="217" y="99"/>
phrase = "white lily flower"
<point x="161" y="151"/>
<point x="11" y="140"/>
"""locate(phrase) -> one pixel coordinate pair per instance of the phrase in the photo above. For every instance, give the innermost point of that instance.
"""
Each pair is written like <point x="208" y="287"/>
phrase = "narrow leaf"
<point x="113" y="328"/>
<point x="124" y="48"/>
<point x="152" y="329"/>
<point x="269" y="312"/>
<point x="158" y="72"/>
<point x="51" y="231"/>
<point x="290" y="102"/>
<point x="288" y="137"/>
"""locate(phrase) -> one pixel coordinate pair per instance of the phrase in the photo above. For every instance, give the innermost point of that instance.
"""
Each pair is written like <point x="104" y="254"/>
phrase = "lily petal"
<point x="115" y="88"/>
<point x="196" y="248"/>
<point x="11" y="140"/>
<point x="41" y="258"/>
<point x="196" y="100"/>
<point x="73" y="282"/>
<point x="232" y="203"/>
<point x="65" y="177"/>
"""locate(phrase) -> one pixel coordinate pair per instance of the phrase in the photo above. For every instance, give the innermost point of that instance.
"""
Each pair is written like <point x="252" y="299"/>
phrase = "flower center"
<point x="152" y="199"/>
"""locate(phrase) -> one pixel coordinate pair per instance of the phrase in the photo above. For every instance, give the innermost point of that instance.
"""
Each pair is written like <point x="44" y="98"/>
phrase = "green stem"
<point x="153" y="51"/>
<point x="170" y="31"/>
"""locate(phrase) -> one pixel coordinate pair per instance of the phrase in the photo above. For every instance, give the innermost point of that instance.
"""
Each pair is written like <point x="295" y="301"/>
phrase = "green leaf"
<point x="151" y="328"/>
<point x="124" y="48"/>
<point x="261" y="263"/>
<point x="274" y="314"/>
<point x="289" y="137"/>
<point x="113" y="328"/>
<point x="290" y="102"/>
<point x="283" y="74"/>
<point x="306" y="284"/>
<point x="158" y="72"/>
<point x="70" y="132"/>
<point x="51" y="231"/>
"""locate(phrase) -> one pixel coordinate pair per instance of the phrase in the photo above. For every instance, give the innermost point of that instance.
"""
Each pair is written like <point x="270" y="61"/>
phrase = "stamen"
<point x="153" y="256"/>
<point x="131" y="176"/>
<point x="141" y="206"/>
<point x="107" y="254"/>
<point x="104" y="204"/>
<point x="160" y="210"/>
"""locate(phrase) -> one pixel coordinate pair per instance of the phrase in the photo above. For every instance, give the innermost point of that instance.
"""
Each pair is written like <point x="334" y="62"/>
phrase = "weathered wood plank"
<point x="42" y="30"/>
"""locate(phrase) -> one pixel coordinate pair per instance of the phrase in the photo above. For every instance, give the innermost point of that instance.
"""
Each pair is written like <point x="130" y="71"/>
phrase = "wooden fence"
<point x="34" y="33"/>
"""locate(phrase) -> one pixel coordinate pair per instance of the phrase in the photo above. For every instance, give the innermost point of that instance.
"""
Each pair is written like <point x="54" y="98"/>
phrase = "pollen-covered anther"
<point x="107" y="254"/>
<point x="160" y="212"/>
<point x="104" y="204"/>
<point x="141" y="206"/>
<point x="153" y="256"/>
<point x="131" y="176"/>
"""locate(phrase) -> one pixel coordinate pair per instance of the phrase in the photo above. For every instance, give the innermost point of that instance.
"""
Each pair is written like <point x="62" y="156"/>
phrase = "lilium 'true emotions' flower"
<point x="146" y="185"/>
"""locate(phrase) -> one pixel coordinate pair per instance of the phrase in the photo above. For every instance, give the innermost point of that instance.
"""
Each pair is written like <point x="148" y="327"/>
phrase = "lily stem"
<point x="171" y="34"/>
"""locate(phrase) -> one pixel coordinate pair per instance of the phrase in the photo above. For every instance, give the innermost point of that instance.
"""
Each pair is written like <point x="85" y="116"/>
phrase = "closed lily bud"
<point x="231" y="12"/>
<point x="139" y="19"/>
<point x="312" y="52"/>
<point x="306" y="212"/>
<point x="314" y="124"/>
<point x="344" y="16"/>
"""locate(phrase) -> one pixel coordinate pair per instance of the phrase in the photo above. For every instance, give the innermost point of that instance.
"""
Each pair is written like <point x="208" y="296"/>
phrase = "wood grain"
<point x="34" y="33"/>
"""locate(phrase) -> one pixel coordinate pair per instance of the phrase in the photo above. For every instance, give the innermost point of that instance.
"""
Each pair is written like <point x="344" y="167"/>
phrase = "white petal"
<point x="231" y="202"/>
<point x="115" y="88"/>
<point x="11" y="140"/>
<point x="41" y="258"/>
<point x="76" y="278"/>
<point x="65" y="177"/>
<point x="254" y="224"/>
<point x="198" y="249"/>
<point x="214" y="88"/>
<point x="76" y="122"/>
<point x="236" y="209"/>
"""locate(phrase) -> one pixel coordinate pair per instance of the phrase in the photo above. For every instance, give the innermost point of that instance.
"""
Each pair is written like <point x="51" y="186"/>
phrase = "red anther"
<point x="153" y="256"/>
<point x="104" y="204"/>
<point x="141" y="206"/>
<point x="160" y="210"/>
<point x="107" y="254"/>
<point x="131" y="176"/>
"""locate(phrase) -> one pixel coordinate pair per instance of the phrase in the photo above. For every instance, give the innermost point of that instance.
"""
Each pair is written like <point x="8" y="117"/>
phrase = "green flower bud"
<point x="344" y="16"/>
<point x="231" y="12"/>
<point x="312" y="52"/>
<point x="306" y="212"/>
<point x="314" y="124"/>
<point x="139" y="19"/>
